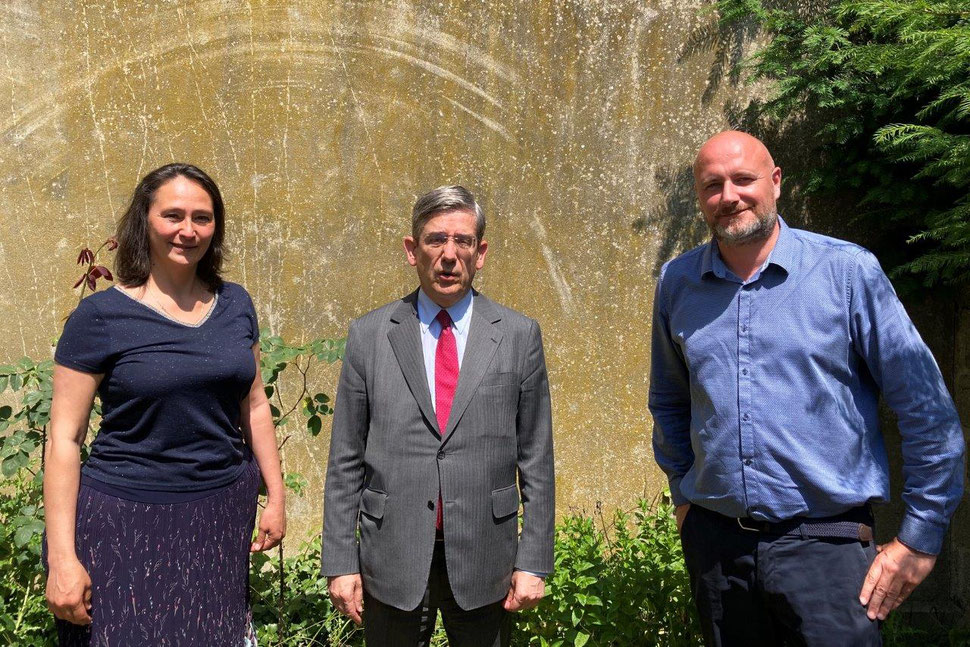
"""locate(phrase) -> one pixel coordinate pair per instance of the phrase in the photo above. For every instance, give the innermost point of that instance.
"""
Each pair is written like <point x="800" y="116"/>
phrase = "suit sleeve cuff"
<point x="333" y="565"/>
<point x="921" y="535"/>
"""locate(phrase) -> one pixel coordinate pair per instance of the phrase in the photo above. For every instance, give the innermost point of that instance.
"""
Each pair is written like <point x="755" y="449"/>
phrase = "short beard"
<point x="752" y="232"/>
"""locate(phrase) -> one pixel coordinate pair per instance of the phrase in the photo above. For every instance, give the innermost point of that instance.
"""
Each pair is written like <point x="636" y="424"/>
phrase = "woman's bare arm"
<point x="68" y="584"/>
<point x="260" y="434"/>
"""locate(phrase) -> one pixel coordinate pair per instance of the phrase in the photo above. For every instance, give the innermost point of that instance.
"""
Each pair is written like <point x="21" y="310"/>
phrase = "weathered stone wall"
<point x="574" y="121"/>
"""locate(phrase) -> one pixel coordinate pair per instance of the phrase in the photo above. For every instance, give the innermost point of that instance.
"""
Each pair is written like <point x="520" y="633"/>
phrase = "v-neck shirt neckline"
<point x="157" y="310"/>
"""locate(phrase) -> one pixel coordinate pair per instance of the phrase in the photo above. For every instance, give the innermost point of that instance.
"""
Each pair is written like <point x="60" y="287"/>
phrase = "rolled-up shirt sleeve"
<point x="669" y="398"/>
<point x="911" y="384"/>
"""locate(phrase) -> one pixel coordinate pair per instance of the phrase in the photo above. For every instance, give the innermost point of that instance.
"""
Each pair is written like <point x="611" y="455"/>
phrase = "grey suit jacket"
<point x="388" y="456"/>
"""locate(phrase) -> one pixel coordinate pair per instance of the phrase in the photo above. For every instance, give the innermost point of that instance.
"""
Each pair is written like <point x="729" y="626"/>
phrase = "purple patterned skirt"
<point x="166" y="573"/>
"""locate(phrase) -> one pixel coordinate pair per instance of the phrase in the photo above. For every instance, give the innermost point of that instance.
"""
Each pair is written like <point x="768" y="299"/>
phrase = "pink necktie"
<point x="445" y="379"/>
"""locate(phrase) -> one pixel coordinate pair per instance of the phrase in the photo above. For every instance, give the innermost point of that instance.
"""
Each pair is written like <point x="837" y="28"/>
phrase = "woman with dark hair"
<point x="148" y="542"/>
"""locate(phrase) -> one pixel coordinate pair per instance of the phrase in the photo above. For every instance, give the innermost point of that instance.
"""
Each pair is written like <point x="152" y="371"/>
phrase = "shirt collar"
<point x="783" y="255"/>
<point x="460" y="313"/>
<point x="780" y="255"/>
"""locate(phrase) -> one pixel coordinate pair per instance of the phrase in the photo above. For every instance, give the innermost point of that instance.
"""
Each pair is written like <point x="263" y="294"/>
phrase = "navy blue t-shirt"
<point x="171" y="393"/>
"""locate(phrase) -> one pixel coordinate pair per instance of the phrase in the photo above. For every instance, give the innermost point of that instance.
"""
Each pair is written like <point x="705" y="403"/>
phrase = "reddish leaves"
<point x="85" y="257"/>
<point x="94" y="272"/>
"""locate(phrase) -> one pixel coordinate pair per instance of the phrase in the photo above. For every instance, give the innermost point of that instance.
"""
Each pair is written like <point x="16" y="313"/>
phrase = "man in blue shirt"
<point x="770" y="348"/>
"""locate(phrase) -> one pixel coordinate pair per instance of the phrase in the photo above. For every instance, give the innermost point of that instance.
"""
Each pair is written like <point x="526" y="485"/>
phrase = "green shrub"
<point x="24" y="618"/>
<point x="309" y="619"/>
<point x="883" y="89"/>
<point x="619" y="583"/>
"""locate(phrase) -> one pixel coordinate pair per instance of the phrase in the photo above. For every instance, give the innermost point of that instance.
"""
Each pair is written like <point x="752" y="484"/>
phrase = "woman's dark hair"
<point x="133" y="259"/>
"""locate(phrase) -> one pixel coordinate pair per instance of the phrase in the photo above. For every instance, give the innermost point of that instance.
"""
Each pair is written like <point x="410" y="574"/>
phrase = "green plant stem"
<point x="23" y="605"/>
<point x="303" y="392"/>
<point x="282" y="596"/>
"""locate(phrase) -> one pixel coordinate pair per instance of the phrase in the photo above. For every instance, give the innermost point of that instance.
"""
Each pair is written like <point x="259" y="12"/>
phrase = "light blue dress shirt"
<point x="461" y="318"/>
<point x="764" y="392"/>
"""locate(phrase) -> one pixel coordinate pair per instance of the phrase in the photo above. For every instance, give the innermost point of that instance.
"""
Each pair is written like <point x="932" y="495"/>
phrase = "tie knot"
<point x="443" y="318"/>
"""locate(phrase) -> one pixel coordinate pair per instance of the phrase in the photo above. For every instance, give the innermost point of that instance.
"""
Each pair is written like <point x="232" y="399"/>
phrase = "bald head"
<point x="737" y="184"/>
<point x="733" y="143"/>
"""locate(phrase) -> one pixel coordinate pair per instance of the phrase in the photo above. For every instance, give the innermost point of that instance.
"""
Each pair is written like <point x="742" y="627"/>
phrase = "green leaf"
<point x="322" y="398"/>
<point x="314" y="425"/>
<point x="5" y="412"/>
<point x="16" y="381"/>
<point x="26" y="532"/>
<point x="25" y="363"/>
<point x="4" y="380"/>
<point x="295" y="482"/>
<point x="11" y="464"/>
<point x="32" y="397"/>
<point x="581" y="639"/>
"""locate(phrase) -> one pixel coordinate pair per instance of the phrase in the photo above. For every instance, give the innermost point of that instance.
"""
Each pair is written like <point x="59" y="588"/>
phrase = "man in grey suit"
<point x="441" y="427"/>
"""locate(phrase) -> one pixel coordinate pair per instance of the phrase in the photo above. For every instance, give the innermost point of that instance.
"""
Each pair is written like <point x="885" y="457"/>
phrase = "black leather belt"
<point x="853" y="524"/>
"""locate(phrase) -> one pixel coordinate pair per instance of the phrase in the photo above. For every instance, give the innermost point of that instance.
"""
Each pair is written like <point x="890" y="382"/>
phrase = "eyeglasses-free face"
<point x="180" y="222"/>
<point x="447" y="255"/>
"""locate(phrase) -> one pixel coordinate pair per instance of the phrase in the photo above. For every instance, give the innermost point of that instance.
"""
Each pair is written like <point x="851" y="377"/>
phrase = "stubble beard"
<point x="752" y="231"/>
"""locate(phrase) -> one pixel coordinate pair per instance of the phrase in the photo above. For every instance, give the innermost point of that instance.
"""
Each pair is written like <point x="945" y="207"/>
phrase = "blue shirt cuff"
<point x="542" y="575"/>
<point x="921" y="535"/>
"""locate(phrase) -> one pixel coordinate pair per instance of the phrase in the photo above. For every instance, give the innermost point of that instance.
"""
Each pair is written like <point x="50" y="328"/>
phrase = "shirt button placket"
<point x="745" y="399"/>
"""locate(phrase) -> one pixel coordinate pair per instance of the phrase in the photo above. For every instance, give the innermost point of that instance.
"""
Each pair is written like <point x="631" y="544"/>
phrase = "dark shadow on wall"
<point x="727" y="43"/>
<point x="675" y="221"/>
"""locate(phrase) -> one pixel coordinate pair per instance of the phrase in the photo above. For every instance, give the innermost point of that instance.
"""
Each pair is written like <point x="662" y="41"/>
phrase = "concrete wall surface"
<point x="573" y="121"/>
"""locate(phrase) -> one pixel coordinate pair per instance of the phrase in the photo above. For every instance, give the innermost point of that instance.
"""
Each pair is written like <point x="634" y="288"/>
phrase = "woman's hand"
<point x="271" y="527"/>
<point x="69" y="592"/>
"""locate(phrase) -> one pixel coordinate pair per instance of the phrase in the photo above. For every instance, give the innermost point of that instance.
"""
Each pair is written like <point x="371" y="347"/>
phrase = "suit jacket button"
<point x="441" y="455"/>
<point x="430" y="505"/>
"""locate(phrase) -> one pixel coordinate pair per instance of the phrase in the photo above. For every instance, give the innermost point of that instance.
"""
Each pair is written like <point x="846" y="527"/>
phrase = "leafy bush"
<point x="883" y="87"/>
<point x="24" y="618"/>
<point x="308" y="617"/>
<point x="619" y="583"/>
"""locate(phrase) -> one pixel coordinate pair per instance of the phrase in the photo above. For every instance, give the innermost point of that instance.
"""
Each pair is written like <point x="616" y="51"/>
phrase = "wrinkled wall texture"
<point x="574" y="121"/>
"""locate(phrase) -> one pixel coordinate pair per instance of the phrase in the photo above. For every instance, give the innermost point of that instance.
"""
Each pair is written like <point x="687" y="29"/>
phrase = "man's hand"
<point x="525" y="591"/>
<point x="272" y="526"/>
<point x="680" y="513"/>
<point x="347" y="594"/>
<point x="69" y="592"/>
<point x="896" y="571"/>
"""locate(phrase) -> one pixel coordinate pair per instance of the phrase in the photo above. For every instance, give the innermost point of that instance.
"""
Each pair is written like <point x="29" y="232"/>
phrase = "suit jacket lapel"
<point x="483" y="339"/>
<point x="405" y="339"/>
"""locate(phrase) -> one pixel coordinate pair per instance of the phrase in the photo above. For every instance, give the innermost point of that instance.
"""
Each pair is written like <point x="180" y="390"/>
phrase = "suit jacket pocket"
<point x="372" y="503"/>
<point x="505" y="501"/>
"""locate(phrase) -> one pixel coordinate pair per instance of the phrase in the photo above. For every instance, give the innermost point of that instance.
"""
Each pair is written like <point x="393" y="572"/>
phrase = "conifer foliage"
<point x="884" y="86"/>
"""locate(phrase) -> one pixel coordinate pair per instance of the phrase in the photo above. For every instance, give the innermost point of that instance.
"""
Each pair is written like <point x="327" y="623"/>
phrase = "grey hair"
<point x="446" y="198"/>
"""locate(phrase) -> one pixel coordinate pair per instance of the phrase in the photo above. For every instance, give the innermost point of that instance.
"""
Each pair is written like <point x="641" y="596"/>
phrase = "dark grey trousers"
<point x="755" y="589"/>
<point x="387" y="626"/>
